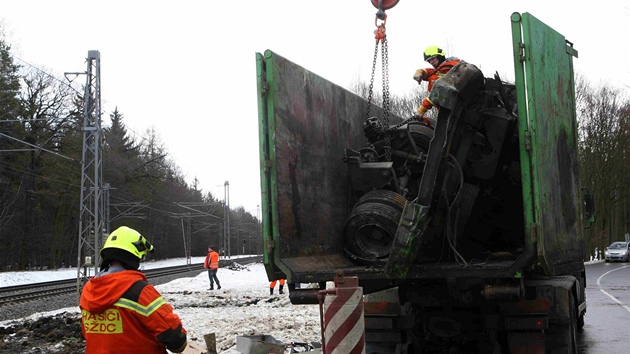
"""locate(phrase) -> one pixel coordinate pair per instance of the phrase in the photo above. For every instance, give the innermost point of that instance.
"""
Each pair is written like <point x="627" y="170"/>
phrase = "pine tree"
<point x="10" y="182"/>
<point x="121" y="158"/>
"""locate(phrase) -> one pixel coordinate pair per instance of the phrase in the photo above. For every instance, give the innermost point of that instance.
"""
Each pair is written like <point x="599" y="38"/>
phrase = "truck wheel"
<point x="568" y="333"/>
<point x="573" y="348"/>
<point x="371" y="227"/>
<point x="563" y="338"/>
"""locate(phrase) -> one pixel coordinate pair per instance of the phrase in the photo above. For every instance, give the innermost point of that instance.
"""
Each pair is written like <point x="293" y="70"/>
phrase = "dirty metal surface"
<point x="311" y="121"/>
<point x="551" y="100"/>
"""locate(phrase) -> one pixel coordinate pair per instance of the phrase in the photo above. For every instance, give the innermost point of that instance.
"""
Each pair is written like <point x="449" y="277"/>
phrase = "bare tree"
<point x="603" y="116"/>
<point x="403" y="105"/>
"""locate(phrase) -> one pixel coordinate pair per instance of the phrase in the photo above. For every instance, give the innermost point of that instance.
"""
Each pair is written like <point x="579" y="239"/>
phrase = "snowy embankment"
<point x="243" y="306"/>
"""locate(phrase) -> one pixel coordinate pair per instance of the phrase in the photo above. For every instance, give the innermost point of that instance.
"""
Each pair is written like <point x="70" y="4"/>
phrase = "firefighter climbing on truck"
<point x="435" y="56"/>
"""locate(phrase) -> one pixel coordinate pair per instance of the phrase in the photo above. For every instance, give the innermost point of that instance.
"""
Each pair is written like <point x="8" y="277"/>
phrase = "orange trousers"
<point x="273" y="283"/>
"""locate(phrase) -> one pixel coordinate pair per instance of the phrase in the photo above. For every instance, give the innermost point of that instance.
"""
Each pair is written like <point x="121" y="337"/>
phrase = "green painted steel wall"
<point x="548" y="130"/>
<point x="306" y="122"/>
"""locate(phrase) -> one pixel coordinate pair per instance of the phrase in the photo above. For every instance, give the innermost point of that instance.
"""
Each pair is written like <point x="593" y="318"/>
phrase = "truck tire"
<point x="371" y="227"/>
<point x="564" y="338"/>
<point x="573" y="326"/>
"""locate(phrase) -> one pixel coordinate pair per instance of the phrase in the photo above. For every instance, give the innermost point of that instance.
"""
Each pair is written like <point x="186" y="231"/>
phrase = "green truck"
<point x="468" y="226"/>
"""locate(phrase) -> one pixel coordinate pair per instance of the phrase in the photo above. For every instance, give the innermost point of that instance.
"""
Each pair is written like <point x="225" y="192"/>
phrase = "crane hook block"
<point x="379" y="33"/>
<point x="384" y="4"/>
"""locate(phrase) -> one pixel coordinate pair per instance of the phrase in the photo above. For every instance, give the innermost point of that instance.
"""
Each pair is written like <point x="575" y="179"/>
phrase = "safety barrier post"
<point x="341" y="317"/>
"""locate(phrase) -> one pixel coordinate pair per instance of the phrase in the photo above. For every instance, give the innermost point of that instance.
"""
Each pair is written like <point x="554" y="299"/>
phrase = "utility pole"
<point x="106" y="211"/>
<point x="186" y="235"/>
<point x="226" y="218"/>
<point x="92" y="204"/>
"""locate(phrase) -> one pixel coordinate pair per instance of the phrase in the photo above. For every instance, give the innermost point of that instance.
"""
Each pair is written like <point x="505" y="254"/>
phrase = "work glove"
<point x="421" y="118"/>
<point x="420" y="75"/>
<point x="419" y="115"/>
<point x="421" y="111"/>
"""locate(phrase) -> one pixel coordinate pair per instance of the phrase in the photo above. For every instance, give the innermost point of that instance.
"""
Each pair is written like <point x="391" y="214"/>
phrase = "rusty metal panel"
<point x="553" y="128"/>
<point x="306" y="123"/>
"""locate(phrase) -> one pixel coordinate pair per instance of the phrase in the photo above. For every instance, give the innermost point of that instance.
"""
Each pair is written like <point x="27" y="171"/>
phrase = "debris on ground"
<point x="60" y="333"/>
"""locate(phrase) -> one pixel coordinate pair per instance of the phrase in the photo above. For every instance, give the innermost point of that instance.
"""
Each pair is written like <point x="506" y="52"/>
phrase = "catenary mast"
<point x="92" y="201"/>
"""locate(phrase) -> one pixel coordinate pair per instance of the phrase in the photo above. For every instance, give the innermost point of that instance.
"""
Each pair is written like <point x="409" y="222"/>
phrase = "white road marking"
<point x="608" y="294"/>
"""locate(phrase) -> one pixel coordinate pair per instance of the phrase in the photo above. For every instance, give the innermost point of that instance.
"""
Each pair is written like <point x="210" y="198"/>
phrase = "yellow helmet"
<point x="433" y="51"/>
<point x="126" y="239"/>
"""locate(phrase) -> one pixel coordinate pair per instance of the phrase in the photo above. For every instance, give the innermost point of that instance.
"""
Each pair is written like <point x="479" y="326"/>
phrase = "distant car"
<point x="618" y="251"/>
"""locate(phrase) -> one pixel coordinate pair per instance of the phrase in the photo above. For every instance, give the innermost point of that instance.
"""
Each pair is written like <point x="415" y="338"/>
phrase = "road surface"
<point x="607" y="320"/>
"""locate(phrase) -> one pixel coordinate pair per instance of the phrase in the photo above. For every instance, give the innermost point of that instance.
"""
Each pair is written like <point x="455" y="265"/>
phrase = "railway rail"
<point x="28" y="292"/>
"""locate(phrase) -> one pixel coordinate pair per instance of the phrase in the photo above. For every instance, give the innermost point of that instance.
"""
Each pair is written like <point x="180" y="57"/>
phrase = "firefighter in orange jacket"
<point x="120" y="311"/>
<point x="212" y="264"/>
<point x="272" y="285"/>
<point x="435" y="56"/>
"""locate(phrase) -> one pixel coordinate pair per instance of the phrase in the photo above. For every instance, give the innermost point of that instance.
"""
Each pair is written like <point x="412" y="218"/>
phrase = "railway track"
<point x="10" y="295"/>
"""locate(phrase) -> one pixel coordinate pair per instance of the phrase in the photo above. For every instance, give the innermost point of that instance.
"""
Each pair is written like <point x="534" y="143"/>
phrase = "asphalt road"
<point x="607" y="320"/>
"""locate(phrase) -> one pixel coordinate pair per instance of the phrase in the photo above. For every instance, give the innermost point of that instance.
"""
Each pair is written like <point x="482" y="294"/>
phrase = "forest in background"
<point x="41" y="143"/>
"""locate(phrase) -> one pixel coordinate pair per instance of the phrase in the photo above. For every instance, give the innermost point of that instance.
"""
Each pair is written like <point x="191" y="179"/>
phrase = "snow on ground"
<point x="243" y="306"/>
<point x="28" y="277"/>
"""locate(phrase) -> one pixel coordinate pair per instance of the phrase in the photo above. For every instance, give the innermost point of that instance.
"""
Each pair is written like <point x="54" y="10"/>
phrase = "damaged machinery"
<point x="478" y="169"/>
<point x="463" y="232"/>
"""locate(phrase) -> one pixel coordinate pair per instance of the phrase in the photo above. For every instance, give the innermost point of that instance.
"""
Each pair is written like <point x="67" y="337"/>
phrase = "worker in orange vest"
<point x="212" y="264"/>
<point x="435" y="56"/>
<point x="120" y="311"/>
<point x="273" y="285"/>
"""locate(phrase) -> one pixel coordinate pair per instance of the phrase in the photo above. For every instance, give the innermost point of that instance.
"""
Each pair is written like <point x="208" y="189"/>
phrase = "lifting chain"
<point x="381" y="38"/>
<point x="385" y="74"/>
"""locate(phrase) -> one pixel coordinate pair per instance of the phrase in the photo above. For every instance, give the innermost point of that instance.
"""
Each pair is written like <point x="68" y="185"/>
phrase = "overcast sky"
<point x="187" y="68"/>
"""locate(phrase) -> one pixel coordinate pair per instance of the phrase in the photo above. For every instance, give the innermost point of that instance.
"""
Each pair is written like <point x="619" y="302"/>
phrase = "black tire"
<point x="371" y="227"/>
<point x="573" y="326"/>
<point x="422" y="134"/>
<point x="383" y="196"/>
<point x="563" y="337"/>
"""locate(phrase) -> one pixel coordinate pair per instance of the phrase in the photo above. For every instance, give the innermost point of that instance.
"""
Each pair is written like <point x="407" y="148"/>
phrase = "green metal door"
<point x="549" y="152"/>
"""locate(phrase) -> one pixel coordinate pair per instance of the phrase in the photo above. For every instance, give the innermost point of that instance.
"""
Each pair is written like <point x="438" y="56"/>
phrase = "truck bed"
<point x="306" y="122"/>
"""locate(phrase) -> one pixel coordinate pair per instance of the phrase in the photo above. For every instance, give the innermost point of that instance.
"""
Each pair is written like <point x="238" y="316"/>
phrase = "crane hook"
<point x="379" y="33"/>
<point x="383" y="5"/>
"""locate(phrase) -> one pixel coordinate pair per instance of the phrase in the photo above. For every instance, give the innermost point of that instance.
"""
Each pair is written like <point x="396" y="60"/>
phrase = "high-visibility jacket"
<point x="122" y="313"/>
<point x="273" y="283"/>
<point x="212" y="261"/>
<point x="431" y="75"/>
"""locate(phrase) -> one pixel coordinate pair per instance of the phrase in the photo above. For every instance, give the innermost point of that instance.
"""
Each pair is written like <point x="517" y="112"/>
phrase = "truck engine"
<point x="477" y="187"/>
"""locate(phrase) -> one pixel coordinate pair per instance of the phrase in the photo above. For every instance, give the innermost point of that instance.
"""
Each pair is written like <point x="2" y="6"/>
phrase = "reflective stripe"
<point x="143" y="310"/>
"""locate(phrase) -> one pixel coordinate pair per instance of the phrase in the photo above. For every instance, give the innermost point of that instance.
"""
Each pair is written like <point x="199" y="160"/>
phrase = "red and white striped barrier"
<point x="343" y="326"/>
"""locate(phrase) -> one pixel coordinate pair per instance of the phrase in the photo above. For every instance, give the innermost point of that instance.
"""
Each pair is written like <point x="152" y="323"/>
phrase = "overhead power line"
<point x="38" y="147"/>
<point x="48" y="74"/>
<point x="193" y="209"/>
